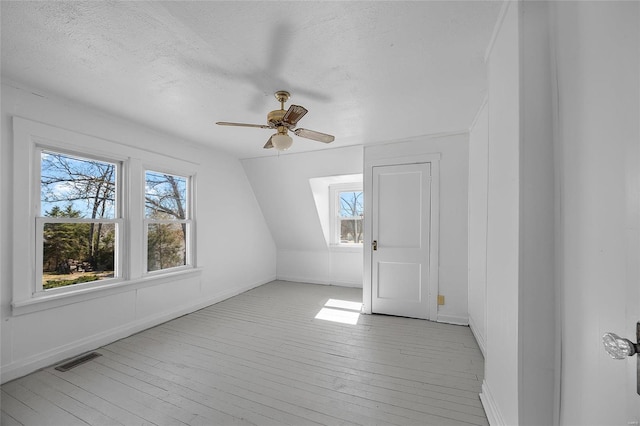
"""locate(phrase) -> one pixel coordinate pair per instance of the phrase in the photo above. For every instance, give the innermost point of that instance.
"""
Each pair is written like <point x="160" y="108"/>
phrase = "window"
<point x="95" y="217"/>
<point x="79" y="221"/>
<point x="166" y="220"/>
<point x="350" y="213"/>
<point x="347" y="206"/>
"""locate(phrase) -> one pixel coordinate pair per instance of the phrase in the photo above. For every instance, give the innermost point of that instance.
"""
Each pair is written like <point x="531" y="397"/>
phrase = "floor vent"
<point x="77" y="361"/>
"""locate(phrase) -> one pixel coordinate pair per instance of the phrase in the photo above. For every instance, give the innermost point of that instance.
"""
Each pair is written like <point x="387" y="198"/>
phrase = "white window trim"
<point x="190" y="247"/>
<point x="119" y="219"/>
<point x="29" y="138"/>
<point x="334" y="208"/>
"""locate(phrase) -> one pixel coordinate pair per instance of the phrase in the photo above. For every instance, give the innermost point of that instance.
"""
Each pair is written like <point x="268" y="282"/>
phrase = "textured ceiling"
<point x="367" y="71"/>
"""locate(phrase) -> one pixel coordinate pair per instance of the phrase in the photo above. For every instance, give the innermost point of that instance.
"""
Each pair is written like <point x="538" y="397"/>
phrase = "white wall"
<point x="597" y="145"/>
<point x="282" y="187"/>
<point x="234" y="247"/>
<point x="478" y="173"/>
<point x="500" y="387"/>
<point x="537" y="307"/>
<point x="514" y="235"/>
<point x="563" y="211"/>
<point x="454" y="163"/>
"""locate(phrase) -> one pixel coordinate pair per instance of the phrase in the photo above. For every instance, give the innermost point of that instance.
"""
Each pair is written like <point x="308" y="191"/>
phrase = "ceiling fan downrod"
<point x="282" y="96"/>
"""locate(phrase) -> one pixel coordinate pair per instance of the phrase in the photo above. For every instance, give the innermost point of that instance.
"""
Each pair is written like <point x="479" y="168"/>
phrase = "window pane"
<point x="166" y="245"/>
<point x="351" y="231"/>
<point x="74" y="253"/>
<point x="165" y="196"/>
<point x="351" y="204"/>
<point x="84" y="186"/>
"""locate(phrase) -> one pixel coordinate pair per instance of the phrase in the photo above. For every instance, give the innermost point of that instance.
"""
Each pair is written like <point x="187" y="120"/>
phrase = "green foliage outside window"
<point x="166" y="213"/>
<point x="76" y="250"/>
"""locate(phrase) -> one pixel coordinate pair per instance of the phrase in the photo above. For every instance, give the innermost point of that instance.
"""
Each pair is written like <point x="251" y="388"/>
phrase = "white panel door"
<point x="401" y="201"/>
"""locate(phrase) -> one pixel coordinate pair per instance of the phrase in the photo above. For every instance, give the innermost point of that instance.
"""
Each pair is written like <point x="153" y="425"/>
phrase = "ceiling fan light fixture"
<point x="282" y="121"/>
<point x="282" y="141"/>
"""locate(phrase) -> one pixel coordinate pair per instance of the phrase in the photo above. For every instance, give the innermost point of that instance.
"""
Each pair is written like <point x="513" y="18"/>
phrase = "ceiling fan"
<point x="282" y="121"/>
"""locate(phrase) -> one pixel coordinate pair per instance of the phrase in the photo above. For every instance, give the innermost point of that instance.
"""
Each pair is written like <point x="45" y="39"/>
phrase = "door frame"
<point x="434" y="236"/>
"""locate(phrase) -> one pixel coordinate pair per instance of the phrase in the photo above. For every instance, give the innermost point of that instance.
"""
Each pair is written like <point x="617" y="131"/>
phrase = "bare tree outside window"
<point x="351" y="210"/>
<point x="78" y="208"/>
<point x="167" y="224"/>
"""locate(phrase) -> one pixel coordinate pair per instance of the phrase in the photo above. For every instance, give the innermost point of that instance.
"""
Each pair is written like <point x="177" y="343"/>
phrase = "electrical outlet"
<point x="440" y="299"/>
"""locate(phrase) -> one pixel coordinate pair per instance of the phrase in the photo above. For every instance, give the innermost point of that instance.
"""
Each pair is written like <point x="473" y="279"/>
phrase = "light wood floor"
<point x="263" y="358"/>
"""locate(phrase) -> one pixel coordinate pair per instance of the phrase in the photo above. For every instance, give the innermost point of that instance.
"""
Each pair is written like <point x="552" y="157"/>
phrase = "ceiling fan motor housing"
<point x="275" y="117"/>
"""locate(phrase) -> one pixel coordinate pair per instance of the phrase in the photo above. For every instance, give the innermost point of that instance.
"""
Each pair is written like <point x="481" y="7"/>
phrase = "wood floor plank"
<point x="387" y="366"/>
<point x="323" y="375"/>
<point x="310" y="392"/>
<point x="207" y="395"/>
<point x="100" y="405"/>
<point x="50" y="393"/>
<point x="310" y="341"/>
<point x="16" y="409"/>
<point x="263" y="358"/>
<point x="7" y="420"/>
<point x="50" y="413"/>
<point x="313" y="408"/>
<point x="184" y="409"/>
<point x="303" y="336"/>
<point x="126" y="399"/>
<point x="349" y="388"/>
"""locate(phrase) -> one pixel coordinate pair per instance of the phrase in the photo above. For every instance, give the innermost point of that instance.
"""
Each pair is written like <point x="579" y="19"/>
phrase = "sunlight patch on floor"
<point x="343" y="304"/>
<point x="347" y="312"/>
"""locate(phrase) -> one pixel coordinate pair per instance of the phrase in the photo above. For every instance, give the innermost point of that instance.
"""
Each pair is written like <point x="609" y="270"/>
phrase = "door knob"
<point x="620" y="348"/>
<point x="374" y="244"/>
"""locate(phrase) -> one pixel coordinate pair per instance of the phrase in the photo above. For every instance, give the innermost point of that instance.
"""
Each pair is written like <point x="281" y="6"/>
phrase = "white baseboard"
<point x="295" y="279"/>
<point x="453" y="319"/>
<point x="347" y="284"/>
<point x="23" y="367"/>
<point x="308" y="280"/>
<point x="479" y="337"/>
<point x="490" y="407"/>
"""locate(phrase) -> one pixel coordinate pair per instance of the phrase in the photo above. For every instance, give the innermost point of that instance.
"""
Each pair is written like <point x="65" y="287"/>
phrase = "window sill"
<point x="49" y="301"/>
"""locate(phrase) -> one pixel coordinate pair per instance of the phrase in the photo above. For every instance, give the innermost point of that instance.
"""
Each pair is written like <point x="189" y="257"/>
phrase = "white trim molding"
<point x="490" y="407"/>
<point x="479" y="337"/>
<point x="453" y="319"/>
<point x="497" y="28"/>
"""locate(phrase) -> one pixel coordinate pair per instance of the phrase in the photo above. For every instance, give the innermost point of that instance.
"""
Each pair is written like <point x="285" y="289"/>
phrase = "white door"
<point x="401" y="202"/>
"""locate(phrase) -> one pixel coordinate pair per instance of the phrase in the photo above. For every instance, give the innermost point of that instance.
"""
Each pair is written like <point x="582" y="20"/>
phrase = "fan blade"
<point x="294" y="114"/>
<point x="313" y="135"/>
<point x="226" y="123"/>
<point x="269" y="143"/>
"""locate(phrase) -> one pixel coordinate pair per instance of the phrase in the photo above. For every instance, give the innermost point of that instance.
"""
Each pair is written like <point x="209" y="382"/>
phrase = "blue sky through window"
<point x="351" y="204"/>
<point x="88" y="186"/>
<point x="165" y="196"/>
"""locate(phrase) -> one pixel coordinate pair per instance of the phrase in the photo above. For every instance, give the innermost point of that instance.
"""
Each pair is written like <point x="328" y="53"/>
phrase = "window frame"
<point x="40" y="220"/>
<point x="188" y="221"/>
<point x="334" y="213"/>
<point x="29" y="139"/>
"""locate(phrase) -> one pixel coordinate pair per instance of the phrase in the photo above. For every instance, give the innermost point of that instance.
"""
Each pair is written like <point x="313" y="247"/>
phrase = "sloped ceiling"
<point x="367" y="71"/>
